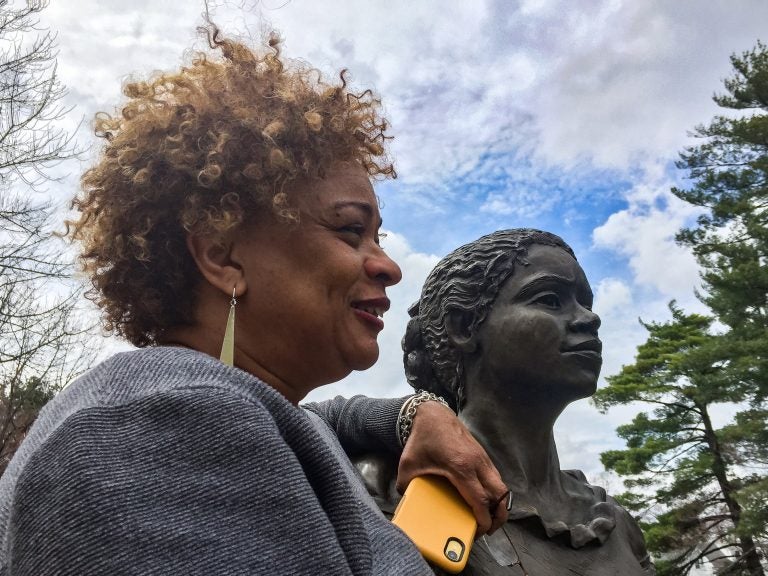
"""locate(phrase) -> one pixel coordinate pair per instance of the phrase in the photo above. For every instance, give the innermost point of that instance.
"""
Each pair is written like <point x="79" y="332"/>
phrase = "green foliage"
<point x="729" y="169"/>
<point x="754" y="501"/>
<point x="632" y="501"/>
<point x="33" y="394"/>
<point x="703" y="489"/>
<point x="20" y="402"/>
<point x="681" y="468"/>
<point x="748" y="438"/>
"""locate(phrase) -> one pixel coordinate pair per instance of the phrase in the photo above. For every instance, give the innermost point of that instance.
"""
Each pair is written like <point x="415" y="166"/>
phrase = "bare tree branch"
<point x="42" y="334"/>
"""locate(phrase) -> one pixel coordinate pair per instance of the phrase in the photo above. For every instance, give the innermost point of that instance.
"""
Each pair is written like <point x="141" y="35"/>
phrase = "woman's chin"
<point x="365" y="358"/>
<point x="370" y="361"/>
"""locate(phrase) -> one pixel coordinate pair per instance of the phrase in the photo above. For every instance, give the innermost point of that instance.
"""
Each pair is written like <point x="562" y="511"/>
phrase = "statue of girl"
<point x="505" y="331"/>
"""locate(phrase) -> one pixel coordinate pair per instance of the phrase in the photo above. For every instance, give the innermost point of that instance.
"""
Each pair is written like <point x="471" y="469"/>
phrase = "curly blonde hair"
<point x="205" y="150"/>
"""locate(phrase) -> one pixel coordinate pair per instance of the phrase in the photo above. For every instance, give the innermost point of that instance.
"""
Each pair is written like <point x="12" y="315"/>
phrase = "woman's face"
<point x="540" y="337"/>
<point x="316" y="291"/>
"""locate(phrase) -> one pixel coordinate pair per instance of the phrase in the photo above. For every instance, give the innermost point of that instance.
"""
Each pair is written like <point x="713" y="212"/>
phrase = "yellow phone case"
<point x="438" y="521"/>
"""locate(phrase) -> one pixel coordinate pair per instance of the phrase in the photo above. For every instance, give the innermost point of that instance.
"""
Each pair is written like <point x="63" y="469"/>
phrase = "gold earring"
<point x="228" y="346"/>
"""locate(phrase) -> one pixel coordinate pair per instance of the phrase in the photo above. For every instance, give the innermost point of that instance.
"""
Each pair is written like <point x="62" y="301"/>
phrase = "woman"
<point x="505" y="330"/>
<point x="230" y="216"/>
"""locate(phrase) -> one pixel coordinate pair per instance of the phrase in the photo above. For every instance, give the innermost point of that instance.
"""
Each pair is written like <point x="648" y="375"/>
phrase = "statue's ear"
<point x="460" y="335"/>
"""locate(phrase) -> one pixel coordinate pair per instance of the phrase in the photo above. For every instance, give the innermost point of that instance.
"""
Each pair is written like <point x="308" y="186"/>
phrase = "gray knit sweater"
<point x="165" y="461"/>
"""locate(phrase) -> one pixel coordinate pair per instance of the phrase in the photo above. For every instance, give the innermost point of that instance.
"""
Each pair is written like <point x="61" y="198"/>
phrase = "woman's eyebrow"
<point x="364" y="206"/>
<point x="541" y="281"/>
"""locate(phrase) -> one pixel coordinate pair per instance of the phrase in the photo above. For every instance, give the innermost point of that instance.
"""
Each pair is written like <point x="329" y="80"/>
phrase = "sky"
<point x="566" y="116"/>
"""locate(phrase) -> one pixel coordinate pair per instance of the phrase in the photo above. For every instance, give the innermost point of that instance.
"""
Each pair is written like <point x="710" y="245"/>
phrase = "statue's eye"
<point x="548" y="300"/>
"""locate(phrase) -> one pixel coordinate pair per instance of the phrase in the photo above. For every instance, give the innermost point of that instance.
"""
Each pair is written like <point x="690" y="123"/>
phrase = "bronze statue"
<point x="504" y="330"/>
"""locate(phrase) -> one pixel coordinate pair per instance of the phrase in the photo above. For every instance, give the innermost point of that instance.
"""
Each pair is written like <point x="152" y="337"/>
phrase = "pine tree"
<point x="704" y="489"/>
<point x="692" y="474"/>
<point x="729" y="169"/>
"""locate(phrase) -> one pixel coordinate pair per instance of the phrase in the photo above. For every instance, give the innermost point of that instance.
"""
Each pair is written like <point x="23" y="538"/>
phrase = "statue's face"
<point x="539" y="341"/>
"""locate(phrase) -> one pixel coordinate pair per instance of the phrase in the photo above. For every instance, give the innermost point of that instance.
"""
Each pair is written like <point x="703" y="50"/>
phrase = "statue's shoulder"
<point x="379" y="474"/>
<point x="630" y="527"/>
<point x="626" y="524"/>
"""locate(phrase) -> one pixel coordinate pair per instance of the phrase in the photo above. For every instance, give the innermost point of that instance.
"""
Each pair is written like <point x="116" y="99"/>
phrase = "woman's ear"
<point x="213" y="258"/>
<point x="460" y="335"/>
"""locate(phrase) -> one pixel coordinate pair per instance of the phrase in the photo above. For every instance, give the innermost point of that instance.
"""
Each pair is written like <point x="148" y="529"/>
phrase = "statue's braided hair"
<point x="466" y="281"/>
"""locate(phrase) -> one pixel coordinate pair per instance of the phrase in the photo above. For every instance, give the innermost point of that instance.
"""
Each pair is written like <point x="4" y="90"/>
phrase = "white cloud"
<point x="524" y="200"/>
<point x="644" y="233"/>
<point x="634" y="77"/>
<point x="611" y="294"/>
<point x="606" y="83"/>
<point x="659" y="271"/>
<point x="497" y="204"/>
<point x="608" y="80"/>
<point x="581" y="434"/>
<point x="621" y="332"/>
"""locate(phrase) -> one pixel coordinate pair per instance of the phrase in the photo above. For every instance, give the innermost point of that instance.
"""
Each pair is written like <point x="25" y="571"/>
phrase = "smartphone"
<point x="438" y="521"/>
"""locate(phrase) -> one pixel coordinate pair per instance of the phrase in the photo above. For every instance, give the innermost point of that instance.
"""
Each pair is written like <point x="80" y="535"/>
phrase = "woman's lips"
<point x="371" y="310"/>
<point x="369" y="318"/>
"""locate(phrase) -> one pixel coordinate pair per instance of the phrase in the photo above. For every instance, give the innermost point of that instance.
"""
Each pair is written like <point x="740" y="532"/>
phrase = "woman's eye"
<point x="549" y="300"/>
<point x="352" y="233"/>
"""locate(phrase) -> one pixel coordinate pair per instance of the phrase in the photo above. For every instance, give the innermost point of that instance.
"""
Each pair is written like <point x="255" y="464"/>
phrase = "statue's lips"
<point x="590" y="348"/>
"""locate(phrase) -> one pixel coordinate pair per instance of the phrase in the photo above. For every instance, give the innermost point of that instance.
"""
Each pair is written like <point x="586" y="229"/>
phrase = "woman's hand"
<point x="440" y="444"/>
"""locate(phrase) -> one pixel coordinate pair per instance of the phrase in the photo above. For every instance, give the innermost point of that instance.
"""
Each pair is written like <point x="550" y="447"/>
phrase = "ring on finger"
<point x="506" y="496"/>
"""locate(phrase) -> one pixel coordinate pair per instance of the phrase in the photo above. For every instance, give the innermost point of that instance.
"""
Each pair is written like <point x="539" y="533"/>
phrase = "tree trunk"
<point x="749" y="552"/>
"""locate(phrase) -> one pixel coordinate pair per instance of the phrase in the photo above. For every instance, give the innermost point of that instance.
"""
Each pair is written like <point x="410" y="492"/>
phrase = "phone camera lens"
<point x="454" y="549"/>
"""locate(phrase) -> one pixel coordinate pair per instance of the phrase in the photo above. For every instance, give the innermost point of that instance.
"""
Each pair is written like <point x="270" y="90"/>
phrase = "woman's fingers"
<point x="488" y="499"/>
<point x="440" y="444"/>
<point x="475" y="495"/>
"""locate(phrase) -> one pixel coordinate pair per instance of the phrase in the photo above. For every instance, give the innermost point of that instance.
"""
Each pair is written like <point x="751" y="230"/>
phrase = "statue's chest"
<point x="544" y="557"/>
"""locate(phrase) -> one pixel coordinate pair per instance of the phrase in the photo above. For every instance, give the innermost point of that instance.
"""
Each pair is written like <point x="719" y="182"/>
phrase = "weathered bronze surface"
<point x="505" y="331"/>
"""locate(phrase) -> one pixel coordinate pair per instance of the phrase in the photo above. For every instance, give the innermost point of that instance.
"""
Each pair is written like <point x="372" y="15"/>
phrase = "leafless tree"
<point x="41" y="334"/>
<point x="31" y="96"/>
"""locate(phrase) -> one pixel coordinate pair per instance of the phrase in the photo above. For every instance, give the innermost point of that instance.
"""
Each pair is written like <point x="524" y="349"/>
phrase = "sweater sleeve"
<point x="362" y="424"/>
<point x="189" y="482"/>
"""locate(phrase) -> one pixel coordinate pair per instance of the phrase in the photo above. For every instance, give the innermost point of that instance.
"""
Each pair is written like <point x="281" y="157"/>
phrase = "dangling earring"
<point x="228" y="346"/>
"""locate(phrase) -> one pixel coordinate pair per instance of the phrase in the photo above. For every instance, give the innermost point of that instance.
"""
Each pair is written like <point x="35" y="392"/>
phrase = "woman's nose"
<point x="381" y="267"/>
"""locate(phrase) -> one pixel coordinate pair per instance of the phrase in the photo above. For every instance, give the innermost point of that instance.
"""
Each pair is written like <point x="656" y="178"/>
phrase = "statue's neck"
<point x="520" y="443"/>
<point x="514" y="424"/>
